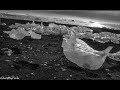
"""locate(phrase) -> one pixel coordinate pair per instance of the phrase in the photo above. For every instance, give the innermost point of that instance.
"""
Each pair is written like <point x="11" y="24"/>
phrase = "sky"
<point x="108" y="16"/>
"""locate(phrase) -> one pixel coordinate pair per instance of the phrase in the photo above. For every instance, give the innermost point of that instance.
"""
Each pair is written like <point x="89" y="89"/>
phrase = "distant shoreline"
<point x="47" y="17"/>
